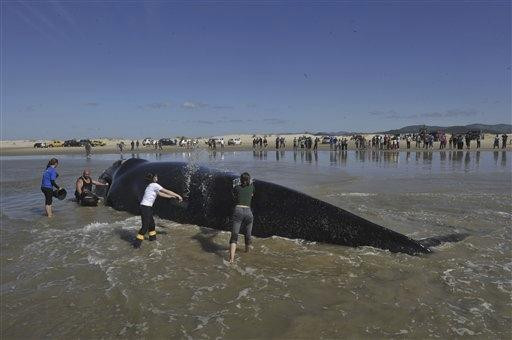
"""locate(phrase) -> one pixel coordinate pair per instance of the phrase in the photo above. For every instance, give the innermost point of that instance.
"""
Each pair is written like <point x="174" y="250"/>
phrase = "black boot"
<point x="152" y="235"/>
<point x="138" y="241"/>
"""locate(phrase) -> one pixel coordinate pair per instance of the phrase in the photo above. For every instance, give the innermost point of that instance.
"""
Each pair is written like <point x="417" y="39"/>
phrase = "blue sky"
<point x="133" y="69"/>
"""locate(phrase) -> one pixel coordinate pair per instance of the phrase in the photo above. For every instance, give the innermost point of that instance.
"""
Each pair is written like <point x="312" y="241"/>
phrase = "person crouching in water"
<point x="84" y="188"/>
<point x="242" y="215"/>
<point x="153" y="189"/>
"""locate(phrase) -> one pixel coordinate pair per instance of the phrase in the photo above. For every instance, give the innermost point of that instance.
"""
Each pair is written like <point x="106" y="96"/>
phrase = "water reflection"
<point x="442" y="155"/>
<point x="444" y="160"/>
<point x="467" y="161"/>
<point x="280" y="154"/>
<point x="457" y="159"/>
<point x="427" y="157"/>
<point x="259" y="154"/>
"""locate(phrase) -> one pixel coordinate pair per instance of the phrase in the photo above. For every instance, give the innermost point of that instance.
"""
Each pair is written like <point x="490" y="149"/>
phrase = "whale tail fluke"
<point x="437" y="240"/>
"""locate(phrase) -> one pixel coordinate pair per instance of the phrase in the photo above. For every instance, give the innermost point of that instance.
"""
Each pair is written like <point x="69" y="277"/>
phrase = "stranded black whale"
<point x="277" y="210"/>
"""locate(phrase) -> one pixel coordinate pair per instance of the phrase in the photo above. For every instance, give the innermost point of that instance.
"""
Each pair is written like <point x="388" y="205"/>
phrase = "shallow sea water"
<point x="77" y="276"/>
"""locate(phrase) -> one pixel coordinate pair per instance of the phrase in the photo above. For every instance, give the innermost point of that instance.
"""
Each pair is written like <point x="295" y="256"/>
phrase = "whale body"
<point x="277" y="210"/>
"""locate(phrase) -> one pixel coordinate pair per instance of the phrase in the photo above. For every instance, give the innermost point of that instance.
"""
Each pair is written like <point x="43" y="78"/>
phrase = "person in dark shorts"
<point x="47" y="184"/>
<point x="84" y="185"/>
<point x="242" y="214"/>
<point x="496" y="142"/>
<point x="153" y="189"/>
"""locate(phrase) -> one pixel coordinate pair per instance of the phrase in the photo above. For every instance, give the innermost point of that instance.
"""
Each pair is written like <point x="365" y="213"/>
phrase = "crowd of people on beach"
<point x="379" y="141"/>
<point x="212" y="143"/>
<point x="385" y="141"/>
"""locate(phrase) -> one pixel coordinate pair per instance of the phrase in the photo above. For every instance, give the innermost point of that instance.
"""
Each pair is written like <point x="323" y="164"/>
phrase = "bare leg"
<point x="48" y="209"/>
<point x="232" y="249"/>
<point x="237" y="221"/>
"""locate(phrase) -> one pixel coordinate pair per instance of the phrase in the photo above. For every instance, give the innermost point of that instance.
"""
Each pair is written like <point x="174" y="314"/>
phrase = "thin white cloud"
<point x="191" y="105"/>
<point x="155" y="106"/>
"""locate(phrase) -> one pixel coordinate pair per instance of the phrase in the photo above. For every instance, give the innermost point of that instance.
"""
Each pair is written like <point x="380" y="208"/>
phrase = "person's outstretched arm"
<point x="169" y="194"/>
<point x="98" y="183"/>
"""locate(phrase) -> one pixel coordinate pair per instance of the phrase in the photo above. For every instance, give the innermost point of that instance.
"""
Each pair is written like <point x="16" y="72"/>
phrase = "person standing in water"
<point x="504" y="138"/>
<point x="88" y="149"/>
<point x="47" y="184"/>
<point x="153" y="189"/>
<point x="496" y="142"/>
<point x="242" y="214"/>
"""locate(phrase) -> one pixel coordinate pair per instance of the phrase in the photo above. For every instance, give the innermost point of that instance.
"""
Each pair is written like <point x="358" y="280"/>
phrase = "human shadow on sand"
<point x="206" y="240"/>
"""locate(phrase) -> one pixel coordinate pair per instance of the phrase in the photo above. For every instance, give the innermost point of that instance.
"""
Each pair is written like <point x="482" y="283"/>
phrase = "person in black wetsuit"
<point x="242" y="214"/>
<point x="84" y="188"/>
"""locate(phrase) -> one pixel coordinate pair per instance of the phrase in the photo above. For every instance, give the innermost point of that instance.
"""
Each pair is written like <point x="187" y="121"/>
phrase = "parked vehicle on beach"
<point x="85" y="141"/>
<point x="148" y="141"/>
<point x="185" y="142"/>
<point x="167" y="141"/>
<point x="71" y="142"/>
<point x="55" y="144"/>
<point x="215" y="140"/>
<point x="234" y="141"/>
<point x="98" y="143"/>
<point x="40" y="145"/>
<point x="326" y="140"/>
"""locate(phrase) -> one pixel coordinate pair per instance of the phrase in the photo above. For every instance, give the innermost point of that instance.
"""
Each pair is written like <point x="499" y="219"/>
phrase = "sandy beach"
<point x="26" y="147"/>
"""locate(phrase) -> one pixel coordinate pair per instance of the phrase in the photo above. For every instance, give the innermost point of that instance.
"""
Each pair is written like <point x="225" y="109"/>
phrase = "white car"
<point x="234" y="141"/>
<point x="215" y="140"/>
<point x="185" y="142"/>
<point x="148" y="141"/>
